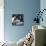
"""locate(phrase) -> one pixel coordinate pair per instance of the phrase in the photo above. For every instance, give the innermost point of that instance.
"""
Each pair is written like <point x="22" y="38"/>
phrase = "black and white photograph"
<point x="18" y="19"/>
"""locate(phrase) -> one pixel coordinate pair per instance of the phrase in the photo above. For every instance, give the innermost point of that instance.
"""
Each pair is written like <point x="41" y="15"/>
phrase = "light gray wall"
<point x="26" y="7"/>
<point x="43" y="6"/>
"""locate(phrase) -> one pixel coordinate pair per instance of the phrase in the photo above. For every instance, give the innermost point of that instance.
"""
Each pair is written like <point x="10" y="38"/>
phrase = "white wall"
<point x="1" y="20"/>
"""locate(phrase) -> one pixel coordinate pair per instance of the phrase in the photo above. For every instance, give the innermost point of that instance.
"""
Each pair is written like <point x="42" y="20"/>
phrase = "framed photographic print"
<point x="18" y="19"/>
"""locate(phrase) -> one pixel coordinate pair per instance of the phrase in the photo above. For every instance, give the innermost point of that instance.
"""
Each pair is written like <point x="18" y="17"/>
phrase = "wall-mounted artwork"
<point x="18" y="19"/>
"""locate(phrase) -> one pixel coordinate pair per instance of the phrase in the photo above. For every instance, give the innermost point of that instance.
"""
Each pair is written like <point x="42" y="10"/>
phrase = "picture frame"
<point x="18" y="19"/>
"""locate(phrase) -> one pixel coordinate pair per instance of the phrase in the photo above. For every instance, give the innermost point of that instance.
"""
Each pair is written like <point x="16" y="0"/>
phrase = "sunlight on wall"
<point x="1" y="21"/>
<point x="1" y="25"/>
